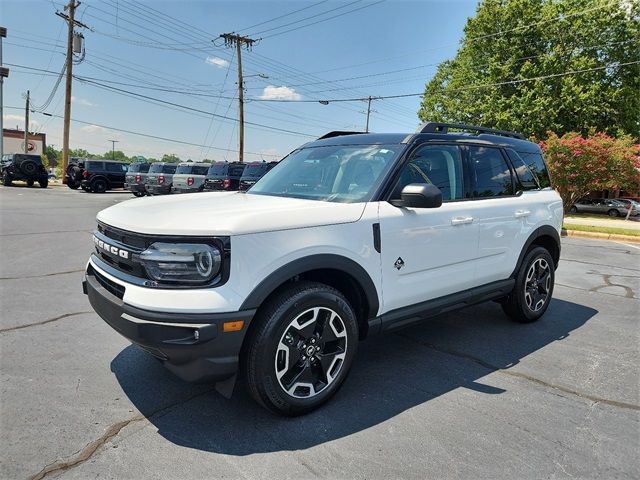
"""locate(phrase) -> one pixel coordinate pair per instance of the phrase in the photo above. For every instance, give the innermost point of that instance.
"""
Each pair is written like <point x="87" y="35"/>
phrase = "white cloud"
<point x="272" y="92"/>
<point x="217" y="62"/>
<point x="82" y="101"/>
<point x="12" y="120"/>
<point x="93" y="129"/>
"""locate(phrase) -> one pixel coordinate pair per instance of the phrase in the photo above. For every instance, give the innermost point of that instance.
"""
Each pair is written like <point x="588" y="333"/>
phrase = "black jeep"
<point x="102" y="175"/>
<point x="21" y="166"/>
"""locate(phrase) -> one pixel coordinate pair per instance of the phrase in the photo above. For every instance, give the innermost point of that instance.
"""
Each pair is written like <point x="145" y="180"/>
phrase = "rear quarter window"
<point x="169" y="169"/>
<point x="536" y="164"/>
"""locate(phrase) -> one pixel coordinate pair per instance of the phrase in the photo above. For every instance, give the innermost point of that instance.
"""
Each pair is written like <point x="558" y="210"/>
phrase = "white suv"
<point x="350" y="235"/>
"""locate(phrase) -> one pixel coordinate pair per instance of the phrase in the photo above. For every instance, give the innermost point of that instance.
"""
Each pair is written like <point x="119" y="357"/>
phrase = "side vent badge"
<point x="399" y="263"/>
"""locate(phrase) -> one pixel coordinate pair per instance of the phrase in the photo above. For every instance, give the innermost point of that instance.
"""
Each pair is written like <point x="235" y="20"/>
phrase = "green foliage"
<point x="580" y="165"/>
<point x="116" y="155"/>
<point x="475" y="87"/>
<point x="171" y="158"/>
<point x="53" y="156"/>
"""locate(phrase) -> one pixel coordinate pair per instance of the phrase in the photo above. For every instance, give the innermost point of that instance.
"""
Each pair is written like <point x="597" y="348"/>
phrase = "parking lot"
<point x="467" y="395"/>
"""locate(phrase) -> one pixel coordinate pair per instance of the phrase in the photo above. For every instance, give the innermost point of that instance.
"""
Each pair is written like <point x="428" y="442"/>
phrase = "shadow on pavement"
<point x="391" y="374"/>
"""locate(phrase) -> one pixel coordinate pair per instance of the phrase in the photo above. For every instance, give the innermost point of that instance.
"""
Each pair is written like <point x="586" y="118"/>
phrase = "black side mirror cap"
<point x="421" y="195"/>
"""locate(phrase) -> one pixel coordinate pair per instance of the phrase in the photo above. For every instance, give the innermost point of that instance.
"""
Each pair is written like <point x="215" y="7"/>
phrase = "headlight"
<point x="181" y="262"/>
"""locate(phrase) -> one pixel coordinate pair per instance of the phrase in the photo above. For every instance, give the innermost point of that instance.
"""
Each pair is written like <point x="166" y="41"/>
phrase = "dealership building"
<point x="13" y="142"/>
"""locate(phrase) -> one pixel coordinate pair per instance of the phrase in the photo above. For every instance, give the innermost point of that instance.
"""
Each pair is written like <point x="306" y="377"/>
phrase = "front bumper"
<point x="191" y="345"/>
<point x="135" y="187"/>
<point x="158" y="189"/>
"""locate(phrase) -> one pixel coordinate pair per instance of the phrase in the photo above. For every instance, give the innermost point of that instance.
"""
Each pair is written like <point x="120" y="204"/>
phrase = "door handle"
<point x="522" y="213"/>
<point x="461" y="220"/>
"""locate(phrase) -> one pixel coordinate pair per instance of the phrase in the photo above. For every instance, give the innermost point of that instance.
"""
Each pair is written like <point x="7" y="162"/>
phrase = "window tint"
<point x="536" y="164"/>
<point x="138" y="168"/>
<point x="184" y="169"/>
<point x="236" y="170"/>
<point x="95" y="165"/>
<point x="115" y="167"/>
<point x="217" y="169"/>
<point x="492" y="174"/>
<point x="255" y="170"/>
<point x="169" y="168"/>
<point x="199" y="169"/>
<point x="440" y="165"/>
<point x="526" y="178"/>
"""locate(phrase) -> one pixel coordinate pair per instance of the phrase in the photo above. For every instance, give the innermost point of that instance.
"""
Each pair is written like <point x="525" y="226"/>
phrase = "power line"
<point x="285" y="15"/>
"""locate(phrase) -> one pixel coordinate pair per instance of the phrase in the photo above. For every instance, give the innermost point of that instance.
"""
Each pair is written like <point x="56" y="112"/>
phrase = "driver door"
<point x="427" y="253"/>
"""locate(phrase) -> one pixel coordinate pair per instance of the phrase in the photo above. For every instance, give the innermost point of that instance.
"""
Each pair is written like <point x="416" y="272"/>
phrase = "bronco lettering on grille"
<point x="110" y="248"/>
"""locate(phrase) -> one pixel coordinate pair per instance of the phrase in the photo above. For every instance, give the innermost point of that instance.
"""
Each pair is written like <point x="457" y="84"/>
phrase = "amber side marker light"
<point x="232" y="326"/>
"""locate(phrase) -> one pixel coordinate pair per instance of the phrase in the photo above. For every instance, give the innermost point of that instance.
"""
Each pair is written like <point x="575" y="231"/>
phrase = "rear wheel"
<point x="6" y="179"/>
<point x="613" y="213"/>
<point x="573" y="209"/>
<point x="30" y="183"/>
<point x="72" y="185"/>
<point x="301" y="348"/>
<point x="533" y="289"/>
<point x="99" y="185"/>
<point x="44" y="183"/>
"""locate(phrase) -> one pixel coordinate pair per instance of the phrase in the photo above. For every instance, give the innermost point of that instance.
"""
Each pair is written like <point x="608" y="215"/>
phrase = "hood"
<point x="225" y="213"/>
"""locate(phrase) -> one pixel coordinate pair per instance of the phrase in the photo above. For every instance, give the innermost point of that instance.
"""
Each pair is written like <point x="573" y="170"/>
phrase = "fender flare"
<point x="544" y="230"/>
<point x="314" y="262"/>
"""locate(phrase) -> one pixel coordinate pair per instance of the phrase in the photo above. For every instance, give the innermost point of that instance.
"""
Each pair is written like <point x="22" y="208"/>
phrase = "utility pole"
<point x="113" y="148"/>
<point x="231" y="39"/>
<point x="4" y="72"/>
<point x="71" y="22"/>
<point x="26" y="124"/>
<point x="369" y="98"/>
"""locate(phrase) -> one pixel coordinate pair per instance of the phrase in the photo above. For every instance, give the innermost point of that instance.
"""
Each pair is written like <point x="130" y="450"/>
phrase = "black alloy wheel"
<point x="73" y="185"/>
<point x="6" y="179"/>
<point x="300" y="348"/>
<point x="533" y="289"/>
<point x="99" y="185"/>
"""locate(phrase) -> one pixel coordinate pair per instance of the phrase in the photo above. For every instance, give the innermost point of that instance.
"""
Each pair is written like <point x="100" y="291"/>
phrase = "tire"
<point x="29" y="183"/>
<point x="533" y="290"/>
<point x="29" y="167"/>
<point x="573" y="209"/>
<point x="322" y="357"/>
<point x="138" y="194"/>
<point x="44" y="183"/>
<point x="86" y="188"/>
<point x="6" y="179"/>
<point x="99" y="185"/>
<point x="613" y="213"/>
<point x="73" y="185"/>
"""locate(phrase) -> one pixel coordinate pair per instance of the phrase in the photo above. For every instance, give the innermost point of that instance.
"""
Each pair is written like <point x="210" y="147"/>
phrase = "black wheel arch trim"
<point x="544" y="230"/>
<point x="314" y="262"/>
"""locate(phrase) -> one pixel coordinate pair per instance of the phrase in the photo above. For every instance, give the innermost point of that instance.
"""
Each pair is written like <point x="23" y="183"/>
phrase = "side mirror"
<point x="421" y="195"/>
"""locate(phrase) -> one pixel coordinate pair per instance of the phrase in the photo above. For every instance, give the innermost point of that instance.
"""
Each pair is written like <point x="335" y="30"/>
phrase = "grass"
<point x="613" y="230"/>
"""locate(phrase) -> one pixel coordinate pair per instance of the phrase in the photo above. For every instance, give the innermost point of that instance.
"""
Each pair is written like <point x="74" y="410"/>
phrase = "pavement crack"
<point x="593" y="291"/>
<point x="523" y="376"/>
<point x="628" y="292"/>
<point x="599" y="264"/>
<point x="44" y="322"/>
<point x="111" y="432"/>
<point x="43" y="276"/>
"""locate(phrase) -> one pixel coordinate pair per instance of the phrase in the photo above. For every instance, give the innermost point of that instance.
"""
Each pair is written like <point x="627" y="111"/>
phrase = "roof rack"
<point x="338" y="133"/>
<point x="438" y="127"/>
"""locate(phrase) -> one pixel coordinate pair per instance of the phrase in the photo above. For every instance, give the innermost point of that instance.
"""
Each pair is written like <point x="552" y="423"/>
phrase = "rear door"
<point x="115" y="173"/>
<point x="428" y="252"/>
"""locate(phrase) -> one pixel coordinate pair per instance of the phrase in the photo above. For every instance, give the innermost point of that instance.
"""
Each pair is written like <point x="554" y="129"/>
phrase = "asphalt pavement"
<point x="468" y="395"/>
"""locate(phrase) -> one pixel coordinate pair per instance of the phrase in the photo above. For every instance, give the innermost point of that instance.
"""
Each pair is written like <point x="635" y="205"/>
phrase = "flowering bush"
<point x="599" y="162"/>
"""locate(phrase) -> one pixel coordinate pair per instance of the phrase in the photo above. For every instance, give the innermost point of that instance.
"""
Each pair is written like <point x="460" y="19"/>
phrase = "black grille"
<point x="111" y="287"/>
<point x="127" y="238"/>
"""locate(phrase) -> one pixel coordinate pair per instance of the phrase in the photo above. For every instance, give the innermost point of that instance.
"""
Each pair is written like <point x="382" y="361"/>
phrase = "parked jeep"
<point x="224" y="176"/>
<point x="253" y="172"/>
<point x="160" y="178"/>
<point x="22" y="166"/>
<point x="136" y="178"/>
<point x="349" y="236"/>
<point x="102" y="175"/>
<point x="189" y="177"/>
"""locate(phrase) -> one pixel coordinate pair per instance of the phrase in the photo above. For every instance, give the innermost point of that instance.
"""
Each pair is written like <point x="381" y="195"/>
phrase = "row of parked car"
<point x="614" y="207"/>
<point x="161" y="178"/>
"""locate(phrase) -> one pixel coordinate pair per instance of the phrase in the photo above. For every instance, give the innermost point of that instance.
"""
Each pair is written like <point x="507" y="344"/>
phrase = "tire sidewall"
<point x="99" y="182"/>
<point x="275" y="329"/>
<point x="530" y="258"/>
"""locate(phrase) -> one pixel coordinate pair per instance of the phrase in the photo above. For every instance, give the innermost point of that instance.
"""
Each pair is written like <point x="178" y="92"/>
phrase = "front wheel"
<point x="44" y="183"/>
<point x="533" y="289"/>
<point x="99" y="185"/>
<point x="301" y="349"/>
<point x="6" y="179"/>
<point x="138" y="194"/>
<point x="73" y="185"/>
<point x="613" y="213"/>
<point x="30" y="183"/>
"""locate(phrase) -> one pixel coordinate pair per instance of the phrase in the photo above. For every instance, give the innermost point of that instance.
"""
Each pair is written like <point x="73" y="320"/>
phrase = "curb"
<point x="600" y="236"/>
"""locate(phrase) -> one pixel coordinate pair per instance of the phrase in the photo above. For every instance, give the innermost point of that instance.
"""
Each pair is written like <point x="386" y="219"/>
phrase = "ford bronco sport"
<point x="348" y="236"/>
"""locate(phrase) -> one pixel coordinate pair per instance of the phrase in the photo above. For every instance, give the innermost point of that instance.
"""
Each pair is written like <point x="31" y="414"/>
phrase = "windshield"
<point x="138" y="167"/>
<point x="254" y="170"/>
<point x="184" y="169"/>
<point x="345" y="174"/>
<point x="217" y="169"/>
<point x="199" y="169"/>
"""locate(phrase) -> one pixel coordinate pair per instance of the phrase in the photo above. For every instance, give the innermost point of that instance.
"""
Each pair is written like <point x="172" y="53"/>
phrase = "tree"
<point x="581" y="165"/>
<point x="488" y="82"/>
<point x="171" y="158"/>
<point x="53" y="156"/>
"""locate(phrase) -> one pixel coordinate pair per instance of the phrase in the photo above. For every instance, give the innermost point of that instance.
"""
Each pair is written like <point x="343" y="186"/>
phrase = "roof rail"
<point x="338" y="133"/>
<point x="439" y="127"/>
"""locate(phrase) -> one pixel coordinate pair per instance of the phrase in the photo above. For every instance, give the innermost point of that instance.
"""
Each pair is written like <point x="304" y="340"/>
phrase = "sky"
<point x="170" y="52"/>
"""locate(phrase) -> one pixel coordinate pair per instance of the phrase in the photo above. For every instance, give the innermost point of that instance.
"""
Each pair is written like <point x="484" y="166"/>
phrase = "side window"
<point x="536" y="164"/>
<point x="526" y="178"/>
<point x="491" y="174"/>
<point x="115" y="167"/>
<point x="440" y="165"/>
